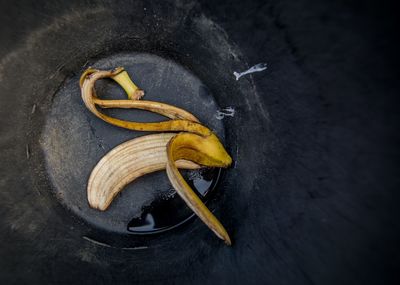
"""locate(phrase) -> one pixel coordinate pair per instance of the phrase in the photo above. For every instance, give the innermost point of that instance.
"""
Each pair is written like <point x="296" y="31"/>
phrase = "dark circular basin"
<point x="312" y="195"/>
<point x="74" y="139"/>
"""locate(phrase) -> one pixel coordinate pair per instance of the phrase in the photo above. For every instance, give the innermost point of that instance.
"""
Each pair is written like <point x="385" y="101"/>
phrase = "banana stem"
<point x="123" y="79"/>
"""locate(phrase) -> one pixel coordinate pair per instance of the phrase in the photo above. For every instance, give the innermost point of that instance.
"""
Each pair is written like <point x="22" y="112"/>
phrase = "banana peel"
<point x="127" y="162"/>
<point x="205" y="151"/>
<point x="88" y="80"/>
<point x="194" y="145"/>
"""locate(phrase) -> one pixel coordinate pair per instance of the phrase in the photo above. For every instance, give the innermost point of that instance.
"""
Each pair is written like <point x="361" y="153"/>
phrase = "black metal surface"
<point x="313" y="195"/>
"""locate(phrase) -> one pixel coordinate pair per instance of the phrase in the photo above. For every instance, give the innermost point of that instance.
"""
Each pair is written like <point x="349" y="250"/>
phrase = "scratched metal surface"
<point x="313" y="194"/>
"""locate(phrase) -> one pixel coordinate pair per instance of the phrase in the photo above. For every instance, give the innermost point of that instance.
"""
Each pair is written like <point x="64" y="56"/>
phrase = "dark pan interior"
<point x="312" y="196"/>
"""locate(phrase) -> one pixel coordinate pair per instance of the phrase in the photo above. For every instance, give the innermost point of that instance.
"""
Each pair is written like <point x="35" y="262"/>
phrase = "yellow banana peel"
<point x="195" y="145"/>
<point x="127" y="162"/>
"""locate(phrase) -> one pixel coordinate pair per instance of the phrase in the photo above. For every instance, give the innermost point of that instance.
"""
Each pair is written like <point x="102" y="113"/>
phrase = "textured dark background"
<point x="313" y="198"/>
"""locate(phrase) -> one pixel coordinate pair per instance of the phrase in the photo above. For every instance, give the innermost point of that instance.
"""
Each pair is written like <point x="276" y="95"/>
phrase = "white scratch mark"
<point x="27" y="151"/>
<point x="95" y="241"/>
<point x="33" y="109"/>
<point x="237" y="157"/>
<point x="256" y="68"/>
<point x="135" y="248"/>
<point x="106" y="245"/>
<point x="225" y="112"/>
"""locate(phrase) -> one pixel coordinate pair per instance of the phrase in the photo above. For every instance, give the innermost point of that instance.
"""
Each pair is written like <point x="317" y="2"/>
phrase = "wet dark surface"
<point x="313" y="195"/>
<point x="170" y="211"/>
